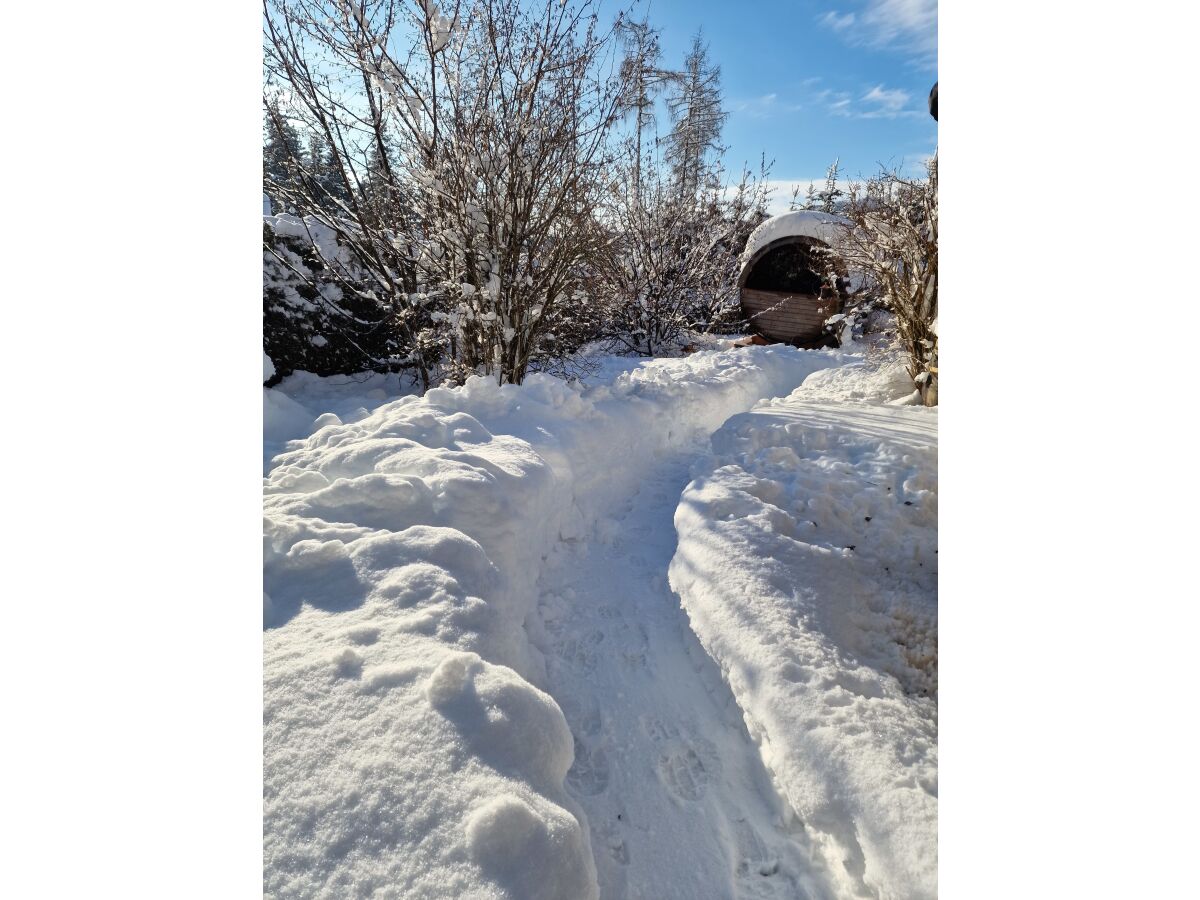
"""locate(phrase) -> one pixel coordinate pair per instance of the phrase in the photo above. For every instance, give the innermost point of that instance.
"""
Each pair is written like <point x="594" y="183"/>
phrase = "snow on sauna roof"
<point x="805" y="223"/>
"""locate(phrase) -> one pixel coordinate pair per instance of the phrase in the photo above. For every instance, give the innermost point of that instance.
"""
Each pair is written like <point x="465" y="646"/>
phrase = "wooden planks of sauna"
<point x="786" y="317"/>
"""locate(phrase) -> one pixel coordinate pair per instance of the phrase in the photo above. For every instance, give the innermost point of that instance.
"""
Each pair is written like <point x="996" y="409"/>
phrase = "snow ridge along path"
<point x="437" y="565"/>
<point x="807" y="563"/>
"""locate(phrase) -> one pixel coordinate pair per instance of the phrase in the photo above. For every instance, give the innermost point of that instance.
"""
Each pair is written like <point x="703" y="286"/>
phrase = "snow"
<point x="477" y="680"/>
<point x="807" y="565"/>
<point x="822" y="226"/>
<point x="303" y="403"/>
<point x="309" y="229"/>
<point x="283" y="419"/>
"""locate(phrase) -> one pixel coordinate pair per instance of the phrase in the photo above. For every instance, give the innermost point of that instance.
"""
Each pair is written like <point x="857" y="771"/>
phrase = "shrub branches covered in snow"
<point x="320" y="311"/>
<point x="472" y="144"/>
<point x="893" y="244"/>
<point x="672" y="263"/>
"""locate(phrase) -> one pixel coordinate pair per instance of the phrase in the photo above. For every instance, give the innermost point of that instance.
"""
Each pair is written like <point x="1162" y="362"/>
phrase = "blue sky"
<point x="810" y="80"/>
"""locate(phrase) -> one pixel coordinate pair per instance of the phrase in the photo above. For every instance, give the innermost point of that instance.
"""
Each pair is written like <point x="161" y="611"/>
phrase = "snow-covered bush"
<point x="892" y="246"/>
<point x="319" y="312"/>
<point x="671" y="265"/>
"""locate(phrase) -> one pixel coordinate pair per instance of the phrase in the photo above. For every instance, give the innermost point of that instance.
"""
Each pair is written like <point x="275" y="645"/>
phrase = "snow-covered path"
<point x="676" y="796"/>
<point x="479" y="685"/>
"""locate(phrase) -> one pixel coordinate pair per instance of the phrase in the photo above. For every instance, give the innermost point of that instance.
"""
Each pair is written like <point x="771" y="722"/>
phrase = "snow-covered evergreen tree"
<point x="644" y="79"/>
<point x="828" y="199"/>
<point x="697" y="117"/>
<point x="283" y="156"/>
<point x="330" y="180"/>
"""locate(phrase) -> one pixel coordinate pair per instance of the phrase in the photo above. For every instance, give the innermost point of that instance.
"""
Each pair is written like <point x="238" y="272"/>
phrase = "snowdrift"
<point x="409" y="750"/>
<point x="807" y="565"/>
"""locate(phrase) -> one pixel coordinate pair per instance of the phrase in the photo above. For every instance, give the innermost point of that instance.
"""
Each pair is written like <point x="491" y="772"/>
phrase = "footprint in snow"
<point x="687" y="771"/>
<point x="582" y="651"/>
<point x="634" y="642"/>
<point x="687" y="764"/>
<point x="609" y="835"/>
<point x="589" y="774"/>
<point x="583" y="715"/>
<point x="754" y="859"/>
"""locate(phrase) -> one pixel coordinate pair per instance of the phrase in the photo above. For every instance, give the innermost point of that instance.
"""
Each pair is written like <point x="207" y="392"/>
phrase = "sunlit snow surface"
<point x="807" y="563"/>
<point x="478" y="682"/>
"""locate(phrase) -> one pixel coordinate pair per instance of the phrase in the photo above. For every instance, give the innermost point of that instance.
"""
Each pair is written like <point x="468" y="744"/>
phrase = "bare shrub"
<point x="892" y="246"/>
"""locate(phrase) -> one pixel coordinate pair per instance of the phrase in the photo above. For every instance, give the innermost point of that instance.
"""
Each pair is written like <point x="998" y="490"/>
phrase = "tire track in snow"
<point x="678" y="801"/>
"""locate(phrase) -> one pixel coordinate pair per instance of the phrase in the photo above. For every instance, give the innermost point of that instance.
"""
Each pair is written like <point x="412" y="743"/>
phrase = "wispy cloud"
<point x="838" y="23"/>
<point x="879" y="102"/>
<point x="884" y="103"/>
<point x="836" y="103"/>
<point x="905" y="26"/>
<point x="763" y="107"/>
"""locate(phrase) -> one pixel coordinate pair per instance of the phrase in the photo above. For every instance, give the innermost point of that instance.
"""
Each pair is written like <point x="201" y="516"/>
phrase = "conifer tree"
<point x="829" y="196"/>
<point x="379" y="186"/>
<point x="283" y="157"/>
<point x="327" y="175"/>
<point x="644" y="77"/>
<point x="696" y="112"/>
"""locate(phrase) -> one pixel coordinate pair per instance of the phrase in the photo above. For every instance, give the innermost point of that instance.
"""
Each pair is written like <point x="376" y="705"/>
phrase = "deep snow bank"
<point x="303" y="403"/>
<point x="407" y="748"/>
<point x="807" y="565"/>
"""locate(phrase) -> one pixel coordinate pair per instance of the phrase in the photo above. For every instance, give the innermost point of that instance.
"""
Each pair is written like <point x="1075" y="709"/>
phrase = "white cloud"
<point x="764" y="106"/>
<point x="838" y="23"/>
<point x="879" y="102"/>
<point x="908" y="26"/>
<point x="886" y="103"/>
<point x="837" y="103"/>
<point x="893" y="99"/>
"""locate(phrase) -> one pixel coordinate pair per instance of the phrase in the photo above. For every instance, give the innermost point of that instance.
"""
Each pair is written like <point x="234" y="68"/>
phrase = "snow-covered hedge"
<point x="311" y="322"/>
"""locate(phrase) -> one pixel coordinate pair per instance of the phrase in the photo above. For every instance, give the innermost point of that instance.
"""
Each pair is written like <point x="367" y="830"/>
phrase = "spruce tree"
<point x="327" y="176"/>
<point x="697" y="115"/>
<point x="642" y="72"/>
<point x="829" y="196"/>
<point x="382" y="199"/>
<point x="283" y="157"/>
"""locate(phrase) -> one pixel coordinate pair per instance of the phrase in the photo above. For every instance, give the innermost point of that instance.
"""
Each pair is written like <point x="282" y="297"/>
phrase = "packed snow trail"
<point x="676" y="795"/>
<point x="433" y="567"/>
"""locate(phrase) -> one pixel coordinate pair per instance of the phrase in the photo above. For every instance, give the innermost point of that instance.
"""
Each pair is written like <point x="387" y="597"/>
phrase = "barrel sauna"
<point x="784" y="297"/>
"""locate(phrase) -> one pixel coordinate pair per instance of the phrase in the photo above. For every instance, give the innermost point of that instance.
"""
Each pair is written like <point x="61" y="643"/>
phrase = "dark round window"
<point x="791" y="268"/>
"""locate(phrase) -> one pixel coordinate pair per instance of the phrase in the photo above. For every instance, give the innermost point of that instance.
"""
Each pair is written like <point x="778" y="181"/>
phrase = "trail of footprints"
<point x="686" y="764"/>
